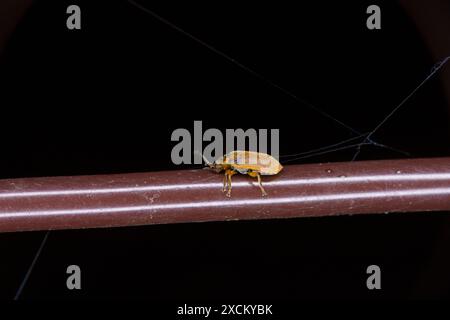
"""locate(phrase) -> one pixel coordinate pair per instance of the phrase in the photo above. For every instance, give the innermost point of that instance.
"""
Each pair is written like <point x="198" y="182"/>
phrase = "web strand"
<point x="435" y="69"/>
<point x="242" y="66"/>
<point x="328" y="151"/>
<point x="30" y="269"/>
<point x="253" y="72"/>
<point x="334" y="145"/>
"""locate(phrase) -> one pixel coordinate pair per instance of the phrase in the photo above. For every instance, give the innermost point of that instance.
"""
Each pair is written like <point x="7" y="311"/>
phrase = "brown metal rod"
<point x="196" y="195"/>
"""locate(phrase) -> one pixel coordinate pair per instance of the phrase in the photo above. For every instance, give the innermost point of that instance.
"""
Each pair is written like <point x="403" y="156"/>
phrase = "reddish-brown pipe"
<point x="195" y="195"/>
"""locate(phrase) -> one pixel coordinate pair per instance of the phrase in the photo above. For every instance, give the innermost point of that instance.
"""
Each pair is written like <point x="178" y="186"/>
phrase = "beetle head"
<point x="212" y="165"/>
<point x="216" y="167"/>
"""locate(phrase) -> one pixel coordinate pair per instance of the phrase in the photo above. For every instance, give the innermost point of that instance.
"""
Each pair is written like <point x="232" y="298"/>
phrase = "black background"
<point x="106" y="98"/>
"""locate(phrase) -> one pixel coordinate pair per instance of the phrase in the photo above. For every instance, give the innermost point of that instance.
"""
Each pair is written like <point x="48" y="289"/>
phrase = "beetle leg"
<point x="229" y="173"/>
<point x="264" y="193"/>
<point x="255" y="174"/>
<point x="229" y="186"/>
<point x="225" y="182"/>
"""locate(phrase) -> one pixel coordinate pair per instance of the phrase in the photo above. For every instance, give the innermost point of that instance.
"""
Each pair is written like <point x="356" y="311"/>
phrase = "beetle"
<point x="254" y="164"/>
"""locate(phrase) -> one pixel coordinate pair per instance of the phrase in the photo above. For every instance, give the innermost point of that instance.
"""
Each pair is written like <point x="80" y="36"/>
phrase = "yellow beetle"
<point x="252" y="163"/>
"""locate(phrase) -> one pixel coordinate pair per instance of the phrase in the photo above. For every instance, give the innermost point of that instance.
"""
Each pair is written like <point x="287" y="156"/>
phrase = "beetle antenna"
<point x="207" y="162"/>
